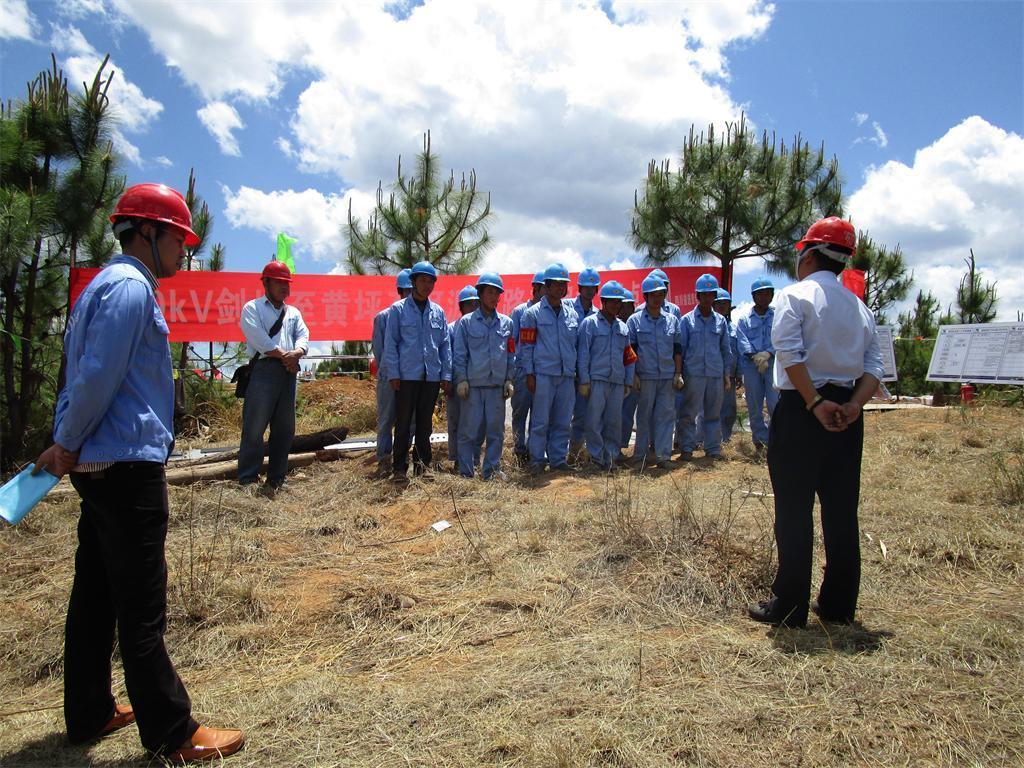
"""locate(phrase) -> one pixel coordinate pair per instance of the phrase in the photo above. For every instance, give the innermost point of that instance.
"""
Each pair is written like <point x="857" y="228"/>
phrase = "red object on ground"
<point x="967" y="393"/>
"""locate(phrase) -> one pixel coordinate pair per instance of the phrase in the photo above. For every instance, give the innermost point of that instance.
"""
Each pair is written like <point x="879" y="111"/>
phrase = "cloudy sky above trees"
<point x="289" y="112"/>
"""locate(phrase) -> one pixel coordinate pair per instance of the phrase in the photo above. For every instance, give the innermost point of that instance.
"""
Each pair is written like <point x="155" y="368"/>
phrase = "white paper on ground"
<point x="441" y="525"/>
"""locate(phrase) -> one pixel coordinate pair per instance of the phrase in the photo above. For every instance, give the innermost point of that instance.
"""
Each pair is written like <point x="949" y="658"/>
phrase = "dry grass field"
<point x="577" y="620"/>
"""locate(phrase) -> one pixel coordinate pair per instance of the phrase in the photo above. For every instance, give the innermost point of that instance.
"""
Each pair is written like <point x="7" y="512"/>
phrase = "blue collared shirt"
<point x="707" y="346"/>
<point x="581" y="313"/>
<point x="669" y="307"/>
<point x="656" y="342"/>
<point x="602" y="349"/>
<point x="517" y="321"/>
<point x="417" y="344"/>
<point x="482" y="349"/>
<point x="259" y="316"/>
<point x="754" y="333"/>
<point x="820" y="323"/>
<point x="549" y="339"/>
<point x="118" y="401"/>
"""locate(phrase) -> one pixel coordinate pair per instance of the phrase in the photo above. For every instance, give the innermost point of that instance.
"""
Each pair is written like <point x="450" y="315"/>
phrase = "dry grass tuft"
<point x="576" y="620"/>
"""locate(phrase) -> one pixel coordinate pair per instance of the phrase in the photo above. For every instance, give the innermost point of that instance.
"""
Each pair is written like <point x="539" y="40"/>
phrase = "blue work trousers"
<point x="760" y="392"/>
<point x="702" y="394"/>
<point x="481" y="415"/>
<point x="385" y="418"/>
<point x="654" y="418"/>
<point x="549" y="419"/>
<point x="629" y="403"/>
<point x="604" y="422"/>
<point x="269" y="402"/>
<point x="579" y="420"/>
<point x="521" y="402"/>
<point x="453" y="406"/>
<point x="728" y="417"/>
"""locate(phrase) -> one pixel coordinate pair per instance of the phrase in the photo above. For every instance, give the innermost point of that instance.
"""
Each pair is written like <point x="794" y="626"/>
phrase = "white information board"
<point x="989" y="353"/>
<point x="884" y="335"/>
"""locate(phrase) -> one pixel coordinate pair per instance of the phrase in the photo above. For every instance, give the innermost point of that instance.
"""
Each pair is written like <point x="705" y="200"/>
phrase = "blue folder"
<point x="22" y="492"/>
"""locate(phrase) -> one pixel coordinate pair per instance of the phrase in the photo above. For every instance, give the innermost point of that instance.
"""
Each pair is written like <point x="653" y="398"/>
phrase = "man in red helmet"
<point x="113" y="433"/>
<point x="827" y="366"/>
<point x="279" y="336"/>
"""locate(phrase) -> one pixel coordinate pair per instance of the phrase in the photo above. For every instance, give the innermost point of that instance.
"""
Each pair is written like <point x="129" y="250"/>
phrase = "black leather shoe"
<point x="831" y="618"/>
<point x="767" y="611"/>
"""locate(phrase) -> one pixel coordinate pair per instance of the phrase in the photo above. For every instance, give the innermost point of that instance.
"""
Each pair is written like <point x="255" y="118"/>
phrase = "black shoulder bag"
<point x="243" y="372"/>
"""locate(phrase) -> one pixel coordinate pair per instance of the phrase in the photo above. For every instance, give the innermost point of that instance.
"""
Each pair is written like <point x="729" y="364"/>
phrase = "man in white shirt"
<point x="827" y="366"/>
<point x="270" y="396"/>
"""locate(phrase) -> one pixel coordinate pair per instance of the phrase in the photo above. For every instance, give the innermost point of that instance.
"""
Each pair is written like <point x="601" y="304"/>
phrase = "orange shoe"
<point x="208" y="744"/>
<point x="122" y="716"/>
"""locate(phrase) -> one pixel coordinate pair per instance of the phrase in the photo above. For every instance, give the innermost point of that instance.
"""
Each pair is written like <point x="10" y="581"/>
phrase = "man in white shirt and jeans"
<point x="270" y="396"/>
<point x="827" y="366"/>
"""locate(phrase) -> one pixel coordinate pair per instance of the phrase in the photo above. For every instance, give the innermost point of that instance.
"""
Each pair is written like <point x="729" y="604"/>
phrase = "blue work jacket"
<point x="656" y="342"/>
<point x="733" y="342"/>
<point x="548" y="339"/>
<point x="602" y="351"/>
<point x="417" y="345"/>
<point x="517" y="322"/>
<point x="707" y="346"/>
<point x="118" y="400"/>
<point x="581" y="313"/>
<point x="668" y="307"/>
<point x="754" y="333"/>
<point x="483" y="349"/>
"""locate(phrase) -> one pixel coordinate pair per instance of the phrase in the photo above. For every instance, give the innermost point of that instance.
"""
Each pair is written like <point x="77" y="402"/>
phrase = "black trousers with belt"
<point x="805" y="460"/>
<point x="121" y="580"/>
<point x="414" y="410"/>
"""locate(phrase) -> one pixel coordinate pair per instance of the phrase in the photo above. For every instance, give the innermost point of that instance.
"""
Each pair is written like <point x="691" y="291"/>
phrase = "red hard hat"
<point x="832" y="230"/>
<point x="156" y="202"/>
<point x="277" y="270"/>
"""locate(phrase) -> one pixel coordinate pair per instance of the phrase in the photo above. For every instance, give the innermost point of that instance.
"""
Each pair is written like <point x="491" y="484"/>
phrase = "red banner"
<point x="205" y="306"/>
<point x="854" y="280"/>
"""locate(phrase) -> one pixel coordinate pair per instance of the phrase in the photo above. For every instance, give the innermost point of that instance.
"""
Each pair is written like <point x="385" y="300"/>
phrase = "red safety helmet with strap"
<point x="159" y="203"/>
<point x="832" y="231"/>
<point x="277" y="270"/>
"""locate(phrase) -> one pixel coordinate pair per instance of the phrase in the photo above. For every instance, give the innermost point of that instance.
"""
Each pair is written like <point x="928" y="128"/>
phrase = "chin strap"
<point x="157" y="269"/>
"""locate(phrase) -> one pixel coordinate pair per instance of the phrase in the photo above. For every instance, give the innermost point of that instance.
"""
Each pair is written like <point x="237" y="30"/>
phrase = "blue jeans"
<point x="481" y="415"/>
<point x="702" y="394"/>
<point x="549" y="419"/>
<point x="760" y="392"/>
<point x="521" y="402"/>
<point x="604" y="422"/>
<point x="269" y="401"/>
<point x="654" y="416"/>
<point x="385" y="417"/>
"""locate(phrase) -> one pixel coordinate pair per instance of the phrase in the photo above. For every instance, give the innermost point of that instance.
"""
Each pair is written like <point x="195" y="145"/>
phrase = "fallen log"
<point x="314" y="441"/>
<point x="228" y="470"/>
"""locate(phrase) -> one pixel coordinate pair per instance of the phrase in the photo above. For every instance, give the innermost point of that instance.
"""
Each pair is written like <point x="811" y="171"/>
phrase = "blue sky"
<point x="289" y="112"/>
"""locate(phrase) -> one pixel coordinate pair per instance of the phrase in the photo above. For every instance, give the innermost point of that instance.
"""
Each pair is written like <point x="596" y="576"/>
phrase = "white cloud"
<point x="879" y="138"/>
<point x="16" y="20"/>
<point x="964" y="191"/>
<point x="163" y="162"/>
<point x="860" y="117"/>
<point x="133" y="111"/>
<point x="221" y="119"/>
<point x="316" y="219"/>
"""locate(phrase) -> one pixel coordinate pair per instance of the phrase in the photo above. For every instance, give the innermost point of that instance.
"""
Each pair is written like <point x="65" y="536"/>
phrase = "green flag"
<point x="284" y="250"/>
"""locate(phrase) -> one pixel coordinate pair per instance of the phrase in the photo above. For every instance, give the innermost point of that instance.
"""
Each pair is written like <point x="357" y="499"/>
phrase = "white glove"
<point x="462" y="389"/>
<point x="761" y="360"/>
<point x="677" y="382"/>
<point x="762" y="366"/>
<point x="508" y="389"/>
<point x="584" y="390"/>
<point x="636" y="384"/>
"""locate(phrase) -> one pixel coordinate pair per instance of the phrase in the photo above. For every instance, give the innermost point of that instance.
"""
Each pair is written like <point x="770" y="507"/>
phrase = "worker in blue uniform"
<point x="757" y="358"/>
<point x="669" y="306"/>
<point x="626" y="309"/>
<point x="587" y="284"/>
<point x="483" y="354"/>
<point x="386" y="395"/>
<point x="723" y="306"/>
<point x="707" y="358"/>
<point x="548" y="337"/>
<point x="654" y="336"/>
<point x="521" y="397"/>
<point x="468" y="302"/>
<point x="603" y="371"/>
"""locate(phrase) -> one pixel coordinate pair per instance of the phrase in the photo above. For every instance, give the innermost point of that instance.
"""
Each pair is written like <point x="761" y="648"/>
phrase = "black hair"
<point x="831" y="265"/>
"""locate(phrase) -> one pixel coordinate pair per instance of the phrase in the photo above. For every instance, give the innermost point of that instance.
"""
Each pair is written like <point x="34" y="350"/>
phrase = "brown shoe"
<point x="208" y="744"/>
<point x="122" y="716"/>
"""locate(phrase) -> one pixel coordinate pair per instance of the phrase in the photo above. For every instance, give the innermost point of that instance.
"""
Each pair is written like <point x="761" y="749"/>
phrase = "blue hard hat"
<point x="653" y="283"/>
<point x="490" y="278"/>
<point x="468" y="294"/>
<point x="707" y="284"/>
<point x="627" y="296"/>
<point x="556" y="272"/>
<point x="612" y="290"/>
<point x="660" y="274"/>
<point x="589" y="277"/>
<point x="538" y="279"/>
<point x="761" y="284"/>
<point x="723" y="295"/>
<point x="423" y="268"/>
<point x="405" y="279"/>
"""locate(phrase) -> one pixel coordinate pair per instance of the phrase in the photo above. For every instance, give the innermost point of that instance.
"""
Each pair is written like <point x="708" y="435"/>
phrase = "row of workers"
<point x="578" y="374"/>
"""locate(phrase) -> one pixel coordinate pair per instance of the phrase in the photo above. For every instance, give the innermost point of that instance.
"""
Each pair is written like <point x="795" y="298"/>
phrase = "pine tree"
<point x="885" y="275"/>
<point x="423" y="219"/>
<point x="734" y="197"/>
<point x="58" y="185"/>
<point x="975" y="303"/>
